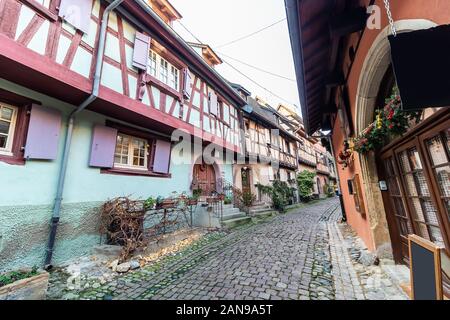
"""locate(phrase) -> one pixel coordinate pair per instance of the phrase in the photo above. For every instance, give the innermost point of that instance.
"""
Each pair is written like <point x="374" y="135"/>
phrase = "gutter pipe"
<point x="68" y="138"/>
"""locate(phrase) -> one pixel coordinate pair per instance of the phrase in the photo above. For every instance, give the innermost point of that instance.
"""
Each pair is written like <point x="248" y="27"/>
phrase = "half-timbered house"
<point x="91" y="92"/>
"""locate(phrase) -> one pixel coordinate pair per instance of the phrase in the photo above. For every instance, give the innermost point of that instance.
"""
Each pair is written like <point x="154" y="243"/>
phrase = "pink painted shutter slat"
<point x="77" y="13"/>
<point x="103" y="147"/>
<point x="162" y="156"/>
<point x="187" y="87"/>
<point x="213" y="105"/>
<point x="141" y="51"/>
<point x="43" y="133"/>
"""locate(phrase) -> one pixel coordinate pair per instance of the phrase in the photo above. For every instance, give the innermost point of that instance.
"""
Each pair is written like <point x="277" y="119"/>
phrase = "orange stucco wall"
<point x="437" y="11"/>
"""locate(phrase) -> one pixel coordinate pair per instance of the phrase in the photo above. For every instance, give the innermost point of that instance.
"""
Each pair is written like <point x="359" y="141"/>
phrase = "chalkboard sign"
<point x="425" y="268"/>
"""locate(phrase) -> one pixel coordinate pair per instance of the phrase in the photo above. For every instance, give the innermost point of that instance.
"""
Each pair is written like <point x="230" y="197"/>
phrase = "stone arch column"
<point x="374" y="68"/>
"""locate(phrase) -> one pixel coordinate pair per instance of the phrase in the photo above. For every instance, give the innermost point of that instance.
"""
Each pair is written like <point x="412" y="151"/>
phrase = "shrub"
<point x="279" y="192"/>
<point x="248" y="198"/>
<point x="305" y="183"/>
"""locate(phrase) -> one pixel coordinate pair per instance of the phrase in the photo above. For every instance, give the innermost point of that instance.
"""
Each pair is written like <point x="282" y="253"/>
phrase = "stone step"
<point x="267" y="213"/>
<point x="233" y="216"/>
<point x="230" y="211"/>
<point x="237" y="222"/>
<point x="258" y="210"/>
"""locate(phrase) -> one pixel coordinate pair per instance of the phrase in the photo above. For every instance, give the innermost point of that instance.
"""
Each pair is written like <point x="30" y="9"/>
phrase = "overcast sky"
<point x="216" y="22"/>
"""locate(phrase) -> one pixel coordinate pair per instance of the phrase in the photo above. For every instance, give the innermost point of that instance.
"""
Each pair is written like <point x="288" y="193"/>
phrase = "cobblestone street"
<point x="300" y="255"/>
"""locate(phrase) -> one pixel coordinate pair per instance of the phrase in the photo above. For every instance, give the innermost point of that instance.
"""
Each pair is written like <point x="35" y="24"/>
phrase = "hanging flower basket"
<point x="390" y="122"/>
<point x="370" y="139"/>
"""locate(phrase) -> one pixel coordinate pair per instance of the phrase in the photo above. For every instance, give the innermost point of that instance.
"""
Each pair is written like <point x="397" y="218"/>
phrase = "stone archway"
<point x="375" y="65"/>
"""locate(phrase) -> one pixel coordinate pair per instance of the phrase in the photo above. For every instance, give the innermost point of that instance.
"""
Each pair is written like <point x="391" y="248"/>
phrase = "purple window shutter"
<point x="77" y="13"/>
<point x="162" y="156"/>
<point x="187" y="87"/>
<point x="213" y="105"/>
<point x="103" y="147"/>
<point x="141" y="51"/>
<point x="43" y="133"/>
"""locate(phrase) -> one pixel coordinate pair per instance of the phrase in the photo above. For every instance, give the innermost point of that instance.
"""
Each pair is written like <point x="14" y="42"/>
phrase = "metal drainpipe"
<point x="68" y="138"/>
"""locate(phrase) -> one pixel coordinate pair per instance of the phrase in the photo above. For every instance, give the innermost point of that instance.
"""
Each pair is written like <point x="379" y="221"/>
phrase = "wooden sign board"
<point x="425" y="269"/>
<point x="422" y="65"/>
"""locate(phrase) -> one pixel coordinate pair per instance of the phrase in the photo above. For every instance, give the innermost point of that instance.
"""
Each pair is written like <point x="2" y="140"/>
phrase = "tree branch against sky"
<point x="222" y="22"/>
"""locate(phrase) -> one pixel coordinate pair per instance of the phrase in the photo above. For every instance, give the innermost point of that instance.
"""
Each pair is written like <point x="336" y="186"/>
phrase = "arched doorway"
<point x="245" y="176"/>
<point x="204" y="178"/>
<point x="375" y="67"/>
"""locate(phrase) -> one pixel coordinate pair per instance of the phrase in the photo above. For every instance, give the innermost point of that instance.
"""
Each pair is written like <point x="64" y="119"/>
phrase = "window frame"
<point x="163" y="75"/>
<point x="8" y="149"/>
<point x="130" y="154"/>
<point x="143" y="135"/>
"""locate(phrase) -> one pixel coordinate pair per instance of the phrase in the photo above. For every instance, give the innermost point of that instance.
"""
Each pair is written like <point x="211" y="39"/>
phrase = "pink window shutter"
<point x="43" y="133"/>
<point x="161" y="163"/>
<point x="187" y="87"/>
<point x="141" y="51"/>
<point x="103" y="147"/>
<point x="213" y="104"/>
<point x="77" y="13"/>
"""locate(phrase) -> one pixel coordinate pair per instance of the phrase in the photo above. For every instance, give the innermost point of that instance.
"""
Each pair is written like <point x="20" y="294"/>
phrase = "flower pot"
<point x="33" y="288"/>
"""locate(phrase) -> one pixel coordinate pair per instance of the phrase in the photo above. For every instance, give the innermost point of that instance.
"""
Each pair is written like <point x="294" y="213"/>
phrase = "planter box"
<point x="34" y="288"/>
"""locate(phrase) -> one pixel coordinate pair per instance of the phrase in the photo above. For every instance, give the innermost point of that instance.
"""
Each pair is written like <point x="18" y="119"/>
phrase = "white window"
<point x="131" y="152"/>
<point x="7" y="125"/>
<point x="152" y="67"/>
<point x="174" y="77"/>
<point x="162" y="70"/>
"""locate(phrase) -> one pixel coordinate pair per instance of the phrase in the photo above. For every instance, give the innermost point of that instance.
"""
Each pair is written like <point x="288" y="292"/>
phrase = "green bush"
<point x="227" y="200"/>
<point x="279" y="192"/>
<point x="305" y="183"/>
<point x="248" y="198"/>
<point x="329" y="190"/>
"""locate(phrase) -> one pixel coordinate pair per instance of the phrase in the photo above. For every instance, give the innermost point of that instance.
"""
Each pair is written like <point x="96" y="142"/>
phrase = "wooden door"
<point x="205" y="177"/>
<point x="400" y="225"/>
<point x="245" y="175"/>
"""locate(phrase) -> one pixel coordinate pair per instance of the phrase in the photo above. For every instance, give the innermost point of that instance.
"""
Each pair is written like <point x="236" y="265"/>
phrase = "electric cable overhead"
<point x="256" y="83"/>
<point x="257" y="68"/>
<point x="250" y="34"/>
<point x="193" y="35"/>
<point x="236" y="69"/>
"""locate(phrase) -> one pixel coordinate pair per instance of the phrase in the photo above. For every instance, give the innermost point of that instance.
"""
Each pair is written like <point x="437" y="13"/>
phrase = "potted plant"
<point x="27" y="284"/>
<point x="150" y="203"/>
<point x="345" y="156"/>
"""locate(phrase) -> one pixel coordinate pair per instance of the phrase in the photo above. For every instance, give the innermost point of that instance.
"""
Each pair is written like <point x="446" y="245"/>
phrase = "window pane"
<point x="404" y="163"/>
<point x="437" y="151"/>
<point x="2" y="141"/>
<point x="6" y="113"/>
<point x="443" y="178"/>
<point x="415" y="159"/>
<point x="4" y="127"/>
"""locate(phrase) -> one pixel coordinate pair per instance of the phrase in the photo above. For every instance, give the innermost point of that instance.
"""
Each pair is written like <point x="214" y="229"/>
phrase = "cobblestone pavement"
<point x="300" y="255"/>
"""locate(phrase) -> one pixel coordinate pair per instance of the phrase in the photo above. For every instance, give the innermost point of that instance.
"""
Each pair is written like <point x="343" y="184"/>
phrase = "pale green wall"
<point x="27" y="193"/>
